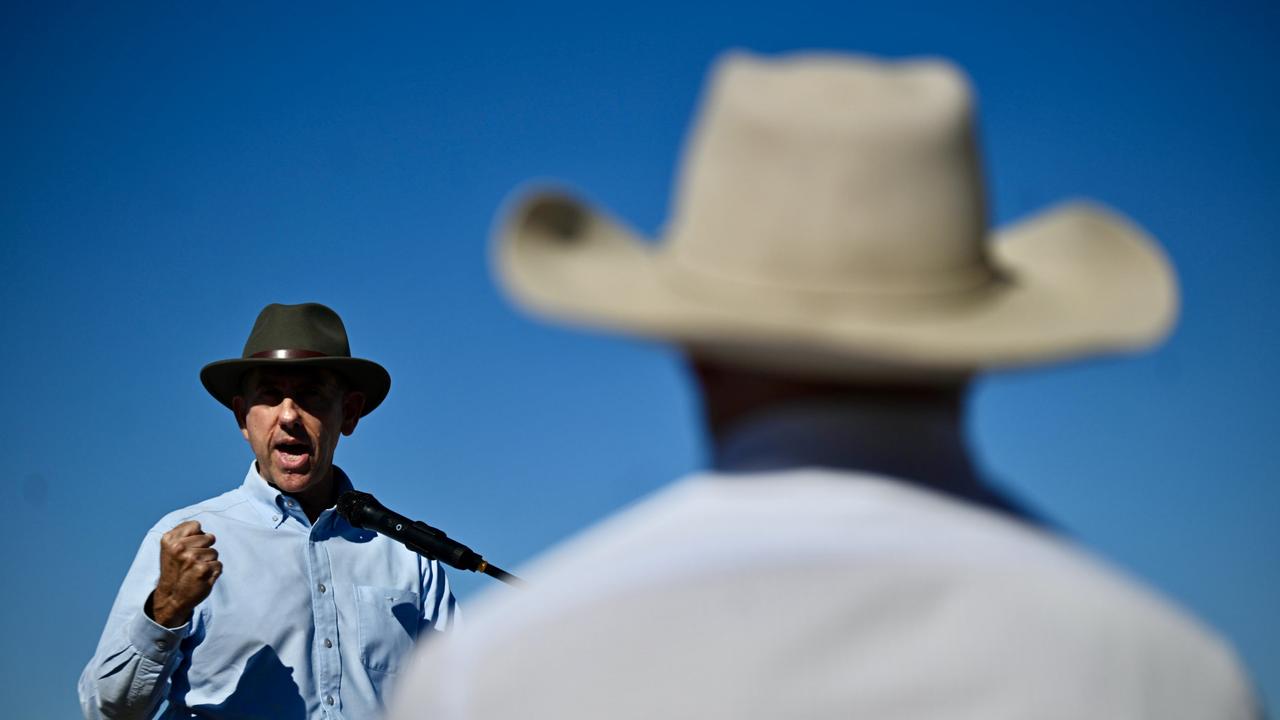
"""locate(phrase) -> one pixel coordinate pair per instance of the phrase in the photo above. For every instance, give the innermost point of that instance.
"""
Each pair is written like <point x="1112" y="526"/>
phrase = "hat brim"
<point x="222" y="378"/>
<point x="1075" y="280"/>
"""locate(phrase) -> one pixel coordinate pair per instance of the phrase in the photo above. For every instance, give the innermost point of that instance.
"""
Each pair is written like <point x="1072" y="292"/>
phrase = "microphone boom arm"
<point x="364" y="511"/>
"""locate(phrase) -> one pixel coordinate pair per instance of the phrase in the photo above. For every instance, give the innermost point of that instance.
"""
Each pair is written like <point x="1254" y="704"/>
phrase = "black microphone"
<point x="362" y="510"/>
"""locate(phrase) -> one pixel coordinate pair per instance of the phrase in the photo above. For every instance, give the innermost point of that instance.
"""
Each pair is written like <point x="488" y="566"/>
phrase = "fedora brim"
<point x="1075" y="280"/>
<point x="222" y="378"/>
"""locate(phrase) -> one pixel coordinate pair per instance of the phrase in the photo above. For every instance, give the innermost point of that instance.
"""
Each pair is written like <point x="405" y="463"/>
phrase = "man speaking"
<point x="264" y="602"/>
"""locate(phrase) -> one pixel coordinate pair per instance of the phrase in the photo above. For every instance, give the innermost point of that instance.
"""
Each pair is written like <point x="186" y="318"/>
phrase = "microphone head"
<point x="357" y="507"/>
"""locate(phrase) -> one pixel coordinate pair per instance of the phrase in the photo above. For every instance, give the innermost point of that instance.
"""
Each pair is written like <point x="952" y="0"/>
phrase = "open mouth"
<point x="292" y="454"/>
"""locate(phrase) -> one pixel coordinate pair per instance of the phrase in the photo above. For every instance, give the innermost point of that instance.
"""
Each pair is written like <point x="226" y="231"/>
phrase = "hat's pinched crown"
<point x="309" y="329"/>
<point x="821" y="174"/>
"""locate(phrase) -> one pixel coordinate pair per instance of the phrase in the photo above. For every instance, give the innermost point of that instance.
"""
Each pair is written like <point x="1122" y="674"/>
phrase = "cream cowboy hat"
<point x="830" y="218"/>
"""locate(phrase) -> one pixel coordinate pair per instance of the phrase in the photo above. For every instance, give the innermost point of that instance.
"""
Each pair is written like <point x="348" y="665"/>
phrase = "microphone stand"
<point x="494" y="571"/>
<point x="362" y="510"/>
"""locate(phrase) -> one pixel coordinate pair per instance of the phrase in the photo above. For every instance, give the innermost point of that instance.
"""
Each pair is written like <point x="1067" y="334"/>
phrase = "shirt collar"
<point x="270" y="503"/>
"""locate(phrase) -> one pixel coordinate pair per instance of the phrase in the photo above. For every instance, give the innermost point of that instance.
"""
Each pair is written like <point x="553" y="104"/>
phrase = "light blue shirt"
<point x="306" y="621"/>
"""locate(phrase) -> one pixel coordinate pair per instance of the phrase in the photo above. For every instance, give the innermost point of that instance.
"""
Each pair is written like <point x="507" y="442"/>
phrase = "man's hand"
<point x="188" y="568"/>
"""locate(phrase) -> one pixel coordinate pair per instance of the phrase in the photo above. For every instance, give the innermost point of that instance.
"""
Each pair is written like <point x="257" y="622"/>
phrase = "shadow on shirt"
<point x="266" y="689"/>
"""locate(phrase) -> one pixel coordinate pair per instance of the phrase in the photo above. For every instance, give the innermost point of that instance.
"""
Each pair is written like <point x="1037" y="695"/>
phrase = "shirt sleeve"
<point x="439" y="609"/>
<point x="131" y="671"/>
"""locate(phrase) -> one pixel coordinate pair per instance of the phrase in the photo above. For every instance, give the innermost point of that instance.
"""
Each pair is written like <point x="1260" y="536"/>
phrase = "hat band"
<point x="288" y="354"/>
<point x="974" y="284"/>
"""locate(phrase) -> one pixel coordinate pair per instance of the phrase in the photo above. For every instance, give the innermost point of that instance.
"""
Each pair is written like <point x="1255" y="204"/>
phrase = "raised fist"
<point x="189" y="567"/>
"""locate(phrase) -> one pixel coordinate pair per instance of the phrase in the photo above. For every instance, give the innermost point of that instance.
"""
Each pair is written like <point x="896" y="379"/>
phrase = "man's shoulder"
<point x="843" y="572"/>
<point x="881" y="539"/>
<point x="215" y="507"/>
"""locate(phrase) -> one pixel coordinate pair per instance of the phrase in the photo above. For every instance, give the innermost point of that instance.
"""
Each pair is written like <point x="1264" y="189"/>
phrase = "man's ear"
<point x="352" y="404"/>
<point x="238" y="407"/>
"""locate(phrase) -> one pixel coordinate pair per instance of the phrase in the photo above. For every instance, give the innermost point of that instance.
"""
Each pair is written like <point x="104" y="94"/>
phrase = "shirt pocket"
<point x="387" y="623"/>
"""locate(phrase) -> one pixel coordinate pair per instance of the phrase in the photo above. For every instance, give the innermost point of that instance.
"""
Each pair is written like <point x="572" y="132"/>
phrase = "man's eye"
<point x="318" y="399"/>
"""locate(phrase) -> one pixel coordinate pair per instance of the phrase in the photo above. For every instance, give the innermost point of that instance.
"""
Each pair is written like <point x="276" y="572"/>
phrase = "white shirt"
<point x="820" y="593"/>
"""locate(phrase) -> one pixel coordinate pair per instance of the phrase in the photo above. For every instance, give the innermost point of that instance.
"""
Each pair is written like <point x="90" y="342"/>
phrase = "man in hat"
<point x="829" y="273"/>
<point x="263" y="602"/>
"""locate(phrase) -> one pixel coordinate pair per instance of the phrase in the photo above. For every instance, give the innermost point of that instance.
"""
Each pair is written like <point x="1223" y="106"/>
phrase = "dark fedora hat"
<point x="305" y="336"/>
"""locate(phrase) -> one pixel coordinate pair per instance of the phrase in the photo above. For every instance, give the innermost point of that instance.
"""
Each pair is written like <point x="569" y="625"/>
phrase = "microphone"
<point x="362" y="510"/>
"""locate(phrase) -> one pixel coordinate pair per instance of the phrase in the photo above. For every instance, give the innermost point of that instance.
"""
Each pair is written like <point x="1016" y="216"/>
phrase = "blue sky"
<point x="168" y="169"/>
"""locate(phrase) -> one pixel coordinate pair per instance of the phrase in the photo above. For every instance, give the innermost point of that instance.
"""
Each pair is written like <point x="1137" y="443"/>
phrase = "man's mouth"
<point x="293" y="455"/>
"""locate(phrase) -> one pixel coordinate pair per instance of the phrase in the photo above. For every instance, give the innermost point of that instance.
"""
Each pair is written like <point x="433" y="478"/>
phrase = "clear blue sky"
<point x="168" y="169"/>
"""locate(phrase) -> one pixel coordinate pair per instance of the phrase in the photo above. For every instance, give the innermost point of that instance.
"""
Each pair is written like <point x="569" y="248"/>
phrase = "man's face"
<point x="292" y="419"/>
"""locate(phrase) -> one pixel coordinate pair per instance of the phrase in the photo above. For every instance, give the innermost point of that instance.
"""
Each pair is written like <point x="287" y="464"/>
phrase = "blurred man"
<point x="829" y="271"/>
<point x="263" y="602"/>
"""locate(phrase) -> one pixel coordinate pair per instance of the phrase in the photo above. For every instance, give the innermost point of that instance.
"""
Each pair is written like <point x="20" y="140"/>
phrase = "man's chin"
<point x="293" y="481"/>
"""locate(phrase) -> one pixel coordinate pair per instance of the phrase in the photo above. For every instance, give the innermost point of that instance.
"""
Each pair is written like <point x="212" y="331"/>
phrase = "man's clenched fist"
<point x="188" y="568"/>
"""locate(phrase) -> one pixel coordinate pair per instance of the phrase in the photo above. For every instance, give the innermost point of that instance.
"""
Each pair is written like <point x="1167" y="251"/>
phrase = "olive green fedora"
<point x="309" y="335"/>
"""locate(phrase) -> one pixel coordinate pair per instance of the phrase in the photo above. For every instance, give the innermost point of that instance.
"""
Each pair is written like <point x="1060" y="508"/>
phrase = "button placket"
<point x="325" y="613"/>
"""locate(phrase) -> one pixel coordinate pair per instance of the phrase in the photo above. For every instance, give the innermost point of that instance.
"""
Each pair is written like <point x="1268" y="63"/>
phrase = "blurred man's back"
<point x="825" y="594"/>
<point x="828" y="271"/>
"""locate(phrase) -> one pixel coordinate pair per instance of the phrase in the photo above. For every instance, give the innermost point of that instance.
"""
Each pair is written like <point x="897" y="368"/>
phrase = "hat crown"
<point x="826" y="173"/>
<point x="309" y="327"/>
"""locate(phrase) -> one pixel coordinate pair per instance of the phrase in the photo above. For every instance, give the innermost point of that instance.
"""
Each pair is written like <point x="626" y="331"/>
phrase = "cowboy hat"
<point x="306" y="336"/>
<point x="830" y="217"/>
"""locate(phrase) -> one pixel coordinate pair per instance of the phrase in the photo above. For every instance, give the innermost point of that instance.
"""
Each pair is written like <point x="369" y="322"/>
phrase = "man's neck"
<point x="912" y="432"/>
<point x="316" y="500"/>
<point x="916" y="440"/>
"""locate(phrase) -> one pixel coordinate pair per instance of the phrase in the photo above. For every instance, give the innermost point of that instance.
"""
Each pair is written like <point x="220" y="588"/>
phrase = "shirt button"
<point x="275" y="518"/>
<point x="289" y="503"/>
<point x="162" y="644"/>
<point x="321" y="587"/>
<point x="328" y="699"/>
<point x="328" y="643"/>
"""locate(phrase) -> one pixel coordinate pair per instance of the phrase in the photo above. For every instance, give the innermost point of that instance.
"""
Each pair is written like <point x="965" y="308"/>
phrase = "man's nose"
<point x="288" y="411"/>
